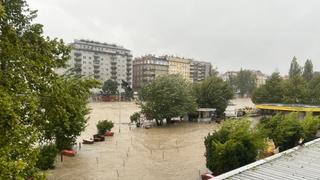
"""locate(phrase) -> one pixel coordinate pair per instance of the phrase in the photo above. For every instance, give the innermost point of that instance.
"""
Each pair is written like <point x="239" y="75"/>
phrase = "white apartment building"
<point x="101" y="60"/>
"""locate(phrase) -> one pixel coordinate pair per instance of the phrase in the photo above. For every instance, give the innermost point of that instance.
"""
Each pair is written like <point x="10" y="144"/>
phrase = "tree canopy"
<point x="271" y="92"/>
<point x="299" y="88"/>
<point x="110" y="87"/>
<point x="234" y="145"/>
<point x="35" y="102"/>
<point x="166" y="97"/>
<point x="213" y="93"/>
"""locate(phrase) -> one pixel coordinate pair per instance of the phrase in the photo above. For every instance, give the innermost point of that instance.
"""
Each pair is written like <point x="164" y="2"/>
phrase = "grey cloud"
<point x="254" y="34"/>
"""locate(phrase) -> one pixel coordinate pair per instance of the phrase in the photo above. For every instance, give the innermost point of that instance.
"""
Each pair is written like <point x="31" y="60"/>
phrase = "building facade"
<point x="101" y="60"/>
<point x="260" y="77"/>
<point x="178" y="65"/>
<point x="147" y="68"/>
<point x="199" y="70"/>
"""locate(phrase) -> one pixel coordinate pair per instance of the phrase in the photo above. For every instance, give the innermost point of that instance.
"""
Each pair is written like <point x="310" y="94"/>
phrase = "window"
<point x="84" y="57"/>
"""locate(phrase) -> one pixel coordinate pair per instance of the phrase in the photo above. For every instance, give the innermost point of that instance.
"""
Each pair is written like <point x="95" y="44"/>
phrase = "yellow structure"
<point x="288" y="107"/>
<point x="180" y="66"/>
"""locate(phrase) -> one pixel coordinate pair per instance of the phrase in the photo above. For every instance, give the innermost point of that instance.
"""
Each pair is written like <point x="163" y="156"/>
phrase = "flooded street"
<point x="164" y="153"/>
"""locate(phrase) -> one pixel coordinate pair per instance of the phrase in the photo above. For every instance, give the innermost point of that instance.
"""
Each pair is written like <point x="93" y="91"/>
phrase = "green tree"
<point x="104" y="126"/>
<point x="234" y="145"/>
<point x="166" y="97"/>
<point x="308" y="70"/>
<point x="213" y="93"/>
<point x="295" y="87"/>
<point x="284" y="130"/>
<point x="18" y="156"/>
<point x="47" y="156"/>
<point x="313" y="90"/>
<point x="27" y="60"/>
<point x="135" y="117"/>
<point x="64" y="107"/>
<point x="310" y="125"/>
<point x="271" y="91"/>
<point x="246" y="82"/>
<point x="110" y="87"/>
<point x="128" y="92"/>
<point x="295" y="69"/>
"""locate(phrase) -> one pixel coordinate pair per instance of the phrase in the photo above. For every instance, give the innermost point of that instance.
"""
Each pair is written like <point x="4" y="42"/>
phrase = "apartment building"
<point x="147" y="68"/>
<point x="260" y="77"/>
<point x="199" y="70"/>
<point x="178" y="65"/>
<point x="101" y="60"/>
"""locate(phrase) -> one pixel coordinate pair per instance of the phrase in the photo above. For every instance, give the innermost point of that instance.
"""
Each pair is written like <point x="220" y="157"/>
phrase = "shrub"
<point x="310" y="125"/>
<point x="233" y="146"/>
<point x="284" y="130"/>
<point x="135" y="117"/>
<point x="104" y="126"/>
<point x="47" y="156"/>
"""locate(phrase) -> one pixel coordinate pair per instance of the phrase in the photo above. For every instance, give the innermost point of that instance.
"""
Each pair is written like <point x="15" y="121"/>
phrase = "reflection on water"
<point x="174" y="152"/>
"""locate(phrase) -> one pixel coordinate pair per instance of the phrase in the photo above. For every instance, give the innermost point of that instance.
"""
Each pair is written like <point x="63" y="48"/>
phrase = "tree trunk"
<point x="158" y="123"/>
<point x="168" y="120"/>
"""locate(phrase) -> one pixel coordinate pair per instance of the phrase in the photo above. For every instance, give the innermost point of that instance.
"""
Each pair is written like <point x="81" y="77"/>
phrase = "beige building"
<point x="178" y="65"/>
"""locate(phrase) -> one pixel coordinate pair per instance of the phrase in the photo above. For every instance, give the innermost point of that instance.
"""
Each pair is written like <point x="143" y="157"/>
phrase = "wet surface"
<point x="169" y="152"/>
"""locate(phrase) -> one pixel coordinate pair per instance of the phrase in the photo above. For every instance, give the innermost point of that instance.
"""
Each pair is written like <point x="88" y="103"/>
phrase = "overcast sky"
<point x="252" y="34"/>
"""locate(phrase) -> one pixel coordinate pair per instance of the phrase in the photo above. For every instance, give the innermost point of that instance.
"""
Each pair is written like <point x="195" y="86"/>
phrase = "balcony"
<point x="96" y="66"/>
<point x="96" y="76"/>
<point x="113" y="67"/>
<point x="77" y="54"/>
<point x="113" y="72"/>
<point x="77" y="59"/>
<point x="113" y="63"/>
<point x="113" y="77"/>
<point x="129" y="68"/>
<point x="96" y="71"/>
<point x="96" y="61"/>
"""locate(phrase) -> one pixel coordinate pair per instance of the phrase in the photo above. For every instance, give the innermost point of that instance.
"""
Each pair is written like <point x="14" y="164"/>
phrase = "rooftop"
<point x="289" y="107"/>
<point x="301" y="162"/>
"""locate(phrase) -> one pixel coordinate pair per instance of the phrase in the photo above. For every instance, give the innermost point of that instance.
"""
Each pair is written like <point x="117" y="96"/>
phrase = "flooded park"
<point x="168" y="153"/>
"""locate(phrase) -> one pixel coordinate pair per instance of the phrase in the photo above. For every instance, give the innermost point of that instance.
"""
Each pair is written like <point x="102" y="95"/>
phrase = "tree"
<point x="271" y="91"/>
<point x="27" y="60"/>
<point x="233" y="82"/>
<point x="128" y="92"/>
<point x="295" y="87"/>
<point x="135" y="117"/>
<point x="110" y="87"/>
<point x="295" y="69"/>
<point x="234" y="145"/>
<point x="104" y="126"/>
<point x="18" y="156"/>
<point x="213" y="93"/>
<point x="64" y="107"/>
<point x="310" y="125"/>
<point x="246" y="82"/>
<point x="47" y="156"/>
<point x="166" y="97"/>
<point x="313" y="90"/>
<point x="308" y="70"/>
<point x="284" y="130"/>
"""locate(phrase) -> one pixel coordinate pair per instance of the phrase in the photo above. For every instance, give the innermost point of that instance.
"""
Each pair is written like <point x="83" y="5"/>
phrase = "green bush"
<point x="104" y="126"/>
<point x="233" y="146"/>
<point x="47" y="156"/>
<point x="284" y="130"/>
<point x="310" y="125"/>
<point x="135" y="117"/>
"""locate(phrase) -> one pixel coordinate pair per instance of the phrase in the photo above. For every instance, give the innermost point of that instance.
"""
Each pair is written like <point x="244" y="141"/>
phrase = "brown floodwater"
<point x="160" y="153"/>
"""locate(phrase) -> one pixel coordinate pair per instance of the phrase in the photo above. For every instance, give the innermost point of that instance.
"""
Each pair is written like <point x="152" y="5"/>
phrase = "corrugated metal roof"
<point x="301" y="162"/>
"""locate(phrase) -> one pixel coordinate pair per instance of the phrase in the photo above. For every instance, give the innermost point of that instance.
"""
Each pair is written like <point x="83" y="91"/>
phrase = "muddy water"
<point x="174" y="152"/>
